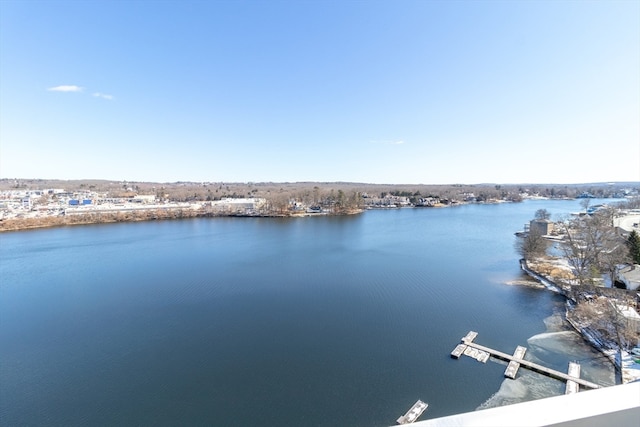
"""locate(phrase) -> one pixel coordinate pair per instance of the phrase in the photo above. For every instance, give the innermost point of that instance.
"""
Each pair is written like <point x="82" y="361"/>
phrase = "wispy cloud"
<point x="66" y="88"/>
<point x="75" y="88"/>
<point x="103" y="96"/>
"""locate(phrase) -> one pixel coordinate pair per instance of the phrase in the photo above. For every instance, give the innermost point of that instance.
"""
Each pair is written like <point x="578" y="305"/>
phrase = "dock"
<point x="462" y="348"/>
<point x="572" y="386"/>
<point x="518" y="360"/>
<point x="513" y="366"/>
<point x="413" y="413"/>
<point x="469" y="337"/>
<point x="476" y="353"/>
<point x="458" y="351"/>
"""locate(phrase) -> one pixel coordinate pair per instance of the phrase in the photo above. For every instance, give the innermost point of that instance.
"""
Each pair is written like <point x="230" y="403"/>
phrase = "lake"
<point x="316" y="321"/>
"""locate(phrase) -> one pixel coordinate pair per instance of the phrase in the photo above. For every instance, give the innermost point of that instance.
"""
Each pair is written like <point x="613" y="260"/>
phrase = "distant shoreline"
<point x="33" y="203"/>
<point x="24" y="224"/>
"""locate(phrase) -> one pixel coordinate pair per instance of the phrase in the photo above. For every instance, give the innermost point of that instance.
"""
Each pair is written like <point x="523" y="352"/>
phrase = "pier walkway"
<point x="477" y="351"/>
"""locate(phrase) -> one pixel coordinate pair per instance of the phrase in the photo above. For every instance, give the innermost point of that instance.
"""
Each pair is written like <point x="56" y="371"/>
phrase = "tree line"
<point x="315" y="192"/>
<point x="590" y="243"/>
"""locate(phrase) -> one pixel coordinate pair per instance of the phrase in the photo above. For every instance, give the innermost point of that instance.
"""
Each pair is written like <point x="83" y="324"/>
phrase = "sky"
<point x="370" y="91"/>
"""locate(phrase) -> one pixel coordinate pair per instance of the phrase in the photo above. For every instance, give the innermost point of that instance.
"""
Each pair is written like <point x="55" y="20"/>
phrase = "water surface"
<point x="317" y="321"/>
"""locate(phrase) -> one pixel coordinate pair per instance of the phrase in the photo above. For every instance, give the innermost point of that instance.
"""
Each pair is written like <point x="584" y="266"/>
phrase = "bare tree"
<point x="531" y="245"/>
<point x="592" y="246"/>
<point x="603" y="315"/>
<point x="614" y="250"/>
<point x="576" y="250"/>
<point x="585" y="203"/>
<point x="542" y="214"/>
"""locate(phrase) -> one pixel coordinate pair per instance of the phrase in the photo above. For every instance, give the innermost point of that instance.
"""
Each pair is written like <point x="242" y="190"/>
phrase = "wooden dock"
<point x="413" y="413"/>
<point x="458" y="351"/>
<point x="469" y="337"/>
<point x="572" y="386"/>
<point x="475" y="353"/>
<point x="513" y="366"/>
<point x="518" y="359"/>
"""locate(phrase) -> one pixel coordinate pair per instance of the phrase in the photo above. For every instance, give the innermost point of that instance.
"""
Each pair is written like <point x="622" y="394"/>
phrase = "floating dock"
<point x="461" y="348"/>
<point x="469" y="337"/>
<point x="475" y="353"/>
<point x="458" y="351"/>
<point x="572" y="386"/>
<point x="413" y="413"/>
<point x="475" y="349"/>
<point x="513" y="366"/>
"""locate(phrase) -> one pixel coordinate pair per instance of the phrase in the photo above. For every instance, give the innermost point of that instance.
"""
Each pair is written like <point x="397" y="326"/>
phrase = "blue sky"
<point x="431" y="92"/>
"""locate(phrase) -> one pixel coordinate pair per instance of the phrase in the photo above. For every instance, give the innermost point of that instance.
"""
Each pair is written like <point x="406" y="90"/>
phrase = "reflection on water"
<point x="554" y="349"/>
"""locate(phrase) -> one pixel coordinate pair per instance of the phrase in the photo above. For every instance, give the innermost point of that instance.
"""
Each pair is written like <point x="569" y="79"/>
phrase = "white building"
<point x="628" y="222"/>
<point x="241" y="206"/>
<point x="630" y="276"/>
<point x="144" y="198"/>
<point x="630" y="315"/>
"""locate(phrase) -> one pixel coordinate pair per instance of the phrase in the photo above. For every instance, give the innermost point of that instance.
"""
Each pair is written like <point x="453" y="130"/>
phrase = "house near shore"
<point x="143" y="198"/>
<point x="630" y="316"/>
<point x="542" y="227"/>
<point x="628" y="222"/>
<point x="239" y="206"/>
<point x="630" y="276"/>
